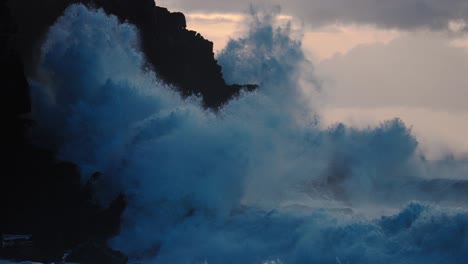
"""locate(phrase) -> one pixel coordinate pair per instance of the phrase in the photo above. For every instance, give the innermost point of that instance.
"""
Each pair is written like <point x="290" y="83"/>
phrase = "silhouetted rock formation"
<point x="41" y="197"/>
<point x="181" y="57"/>
<point x="15" y="90"/>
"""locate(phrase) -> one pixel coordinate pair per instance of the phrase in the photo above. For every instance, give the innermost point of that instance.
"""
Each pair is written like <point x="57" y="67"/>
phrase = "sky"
<point x="376" y="59"/>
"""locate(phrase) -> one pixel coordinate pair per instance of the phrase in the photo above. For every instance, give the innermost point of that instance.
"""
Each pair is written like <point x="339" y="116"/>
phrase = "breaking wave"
<point x="257" y="182"/>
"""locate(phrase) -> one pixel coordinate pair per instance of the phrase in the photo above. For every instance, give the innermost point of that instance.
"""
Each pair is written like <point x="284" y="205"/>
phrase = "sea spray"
<point x="208" y="187"/>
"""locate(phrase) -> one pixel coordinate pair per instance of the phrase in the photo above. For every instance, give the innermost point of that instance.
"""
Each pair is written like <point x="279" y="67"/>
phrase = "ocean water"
<point x="258" y="181"/>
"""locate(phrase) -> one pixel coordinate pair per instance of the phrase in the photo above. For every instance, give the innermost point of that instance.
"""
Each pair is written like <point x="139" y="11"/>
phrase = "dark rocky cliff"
<point x="42" y="197"/>
<point x="44" y="208"/>
<point x="180" y="57"/>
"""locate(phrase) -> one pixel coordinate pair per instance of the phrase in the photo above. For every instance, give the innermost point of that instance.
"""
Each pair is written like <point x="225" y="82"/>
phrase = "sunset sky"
<point x="376" y="59"/>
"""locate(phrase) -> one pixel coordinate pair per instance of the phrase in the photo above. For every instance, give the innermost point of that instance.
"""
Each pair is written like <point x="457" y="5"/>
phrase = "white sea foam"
<point x="258" y="182"/>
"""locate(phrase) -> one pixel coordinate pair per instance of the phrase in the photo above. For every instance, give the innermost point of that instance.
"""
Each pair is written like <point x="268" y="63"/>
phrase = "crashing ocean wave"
<point x="256" y="182"/>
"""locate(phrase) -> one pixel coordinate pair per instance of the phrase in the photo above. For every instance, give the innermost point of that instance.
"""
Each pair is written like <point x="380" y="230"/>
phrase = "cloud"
<point x="402" y="14"/>
<point x="421" y="70"/>
<point x="399" y="14"/>
<point x="327" y="41"/>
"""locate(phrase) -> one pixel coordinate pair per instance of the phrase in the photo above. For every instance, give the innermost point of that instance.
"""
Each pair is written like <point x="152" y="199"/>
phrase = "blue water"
<point x="258" y="182"/>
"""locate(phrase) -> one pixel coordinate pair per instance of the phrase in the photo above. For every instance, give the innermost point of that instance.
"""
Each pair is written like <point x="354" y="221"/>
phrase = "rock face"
<point x="181" y="57"/>
<point x="41" y="198"/>
<point x="15" y="98"/>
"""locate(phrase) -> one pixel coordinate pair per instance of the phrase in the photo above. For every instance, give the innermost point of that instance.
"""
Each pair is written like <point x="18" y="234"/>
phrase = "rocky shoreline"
<point x="48" y="214"/>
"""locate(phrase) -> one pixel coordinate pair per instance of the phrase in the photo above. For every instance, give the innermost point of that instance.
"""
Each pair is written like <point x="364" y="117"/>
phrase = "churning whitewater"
<point x="257" y="182"/>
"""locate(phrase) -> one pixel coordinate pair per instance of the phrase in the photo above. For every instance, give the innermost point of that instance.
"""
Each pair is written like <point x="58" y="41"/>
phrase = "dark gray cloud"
<point x="401" y="14"/>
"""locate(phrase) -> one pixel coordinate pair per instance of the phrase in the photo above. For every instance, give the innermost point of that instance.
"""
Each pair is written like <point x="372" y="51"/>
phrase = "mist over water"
<point x="258" y="182"/>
